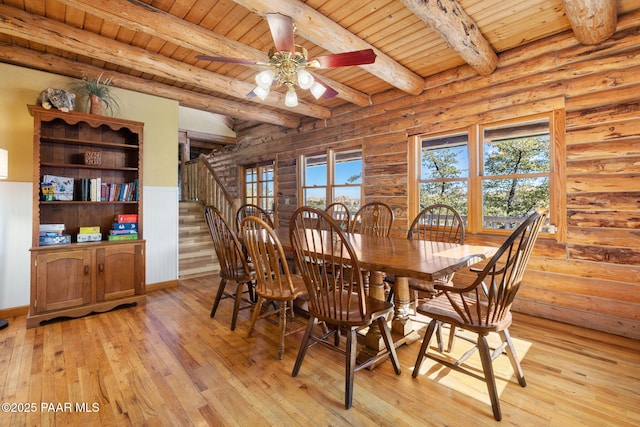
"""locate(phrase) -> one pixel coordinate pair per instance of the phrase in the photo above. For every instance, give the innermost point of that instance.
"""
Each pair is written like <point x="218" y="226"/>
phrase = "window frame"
<point x="259" y="198"/>
<point x="331" y="186"/>
<point x="557" y="177"/>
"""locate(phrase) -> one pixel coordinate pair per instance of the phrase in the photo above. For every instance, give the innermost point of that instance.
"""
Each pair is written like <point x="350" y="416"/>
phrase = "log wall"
<point x="593" y="278"/>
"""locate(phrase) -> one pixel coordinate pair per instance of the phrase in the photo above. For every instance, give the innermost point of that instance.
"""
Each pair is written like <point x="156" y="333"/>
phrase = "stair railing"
<point x="200" y="183"/>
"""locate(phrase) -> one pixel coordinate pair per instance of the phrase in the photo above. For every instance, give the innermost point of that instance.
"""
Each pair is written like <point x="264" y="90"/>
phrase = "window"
<point x="494" y="174"/>
<point x="514" y="172"/>
<point x="335" y="176"/>
<point x="444" y="172"/>
<point x="260" y="186"/>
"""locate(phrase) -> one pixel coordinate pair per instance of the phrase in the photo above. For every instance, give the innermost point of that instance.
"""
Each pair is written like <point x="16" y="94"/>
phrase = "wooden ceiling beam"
<point x="592" y="21"/>
<point x="241" y="111"/>
<point x="51" y="33"/>
<point x="317" y="28"/>
<point x="141" y="17"/>
<point x="458" y="30"/>
<point x="206" y="140"/>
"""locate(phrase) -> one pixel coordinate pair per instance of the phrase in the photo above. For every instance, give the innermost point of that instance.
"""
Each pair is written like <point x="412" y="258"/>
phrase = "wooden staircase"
<point x="196" y="254"/>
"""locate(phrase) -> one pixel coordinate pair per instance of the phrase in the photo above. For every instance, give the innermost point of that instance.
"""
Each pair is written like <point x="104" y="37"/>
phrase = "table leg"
<point x="401" y="324"/>
<point x="373" y="339"/>
<point x="401" y="327"/>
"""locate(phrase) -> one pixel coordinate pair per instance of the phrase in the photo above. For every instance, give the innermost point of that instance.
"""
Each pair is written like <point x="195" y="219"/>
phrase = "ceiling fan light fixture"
<point x="305" y="79"/>
<point x="264" y="79"/>
<point x="261" y="92"/>
<point x="317" y="90"/>
<point x="291" y="98"/>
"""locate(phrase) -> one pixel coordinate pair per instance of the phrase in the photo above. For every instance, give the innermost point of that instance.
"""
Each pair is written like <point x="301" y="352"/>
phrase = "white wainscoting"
<point x="15" y="241"/>
<point x="160" y="228"/>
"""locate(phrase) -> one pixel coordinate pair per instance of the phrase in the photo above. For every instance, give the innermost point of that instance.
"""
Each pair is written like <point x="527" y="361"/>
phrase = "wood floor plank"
<point x="167" y="363"/>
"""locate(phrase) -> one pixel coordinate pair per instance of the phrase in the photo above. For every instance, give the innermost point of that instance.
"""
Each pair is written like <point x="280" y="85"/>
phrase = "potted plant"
<point x="98" y="92"/>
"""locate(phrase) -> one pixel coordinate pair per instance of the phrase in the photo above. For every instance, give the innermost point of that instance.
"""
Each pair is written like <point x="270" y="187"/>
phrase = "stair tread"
<point x="196" y="255"/>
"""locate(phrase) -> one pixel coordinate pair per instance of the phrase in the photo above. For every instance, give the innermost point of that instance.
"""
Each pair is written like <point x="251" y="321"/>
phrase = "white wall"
<point x="160" y="213"/>
<point x="15" y="240"/>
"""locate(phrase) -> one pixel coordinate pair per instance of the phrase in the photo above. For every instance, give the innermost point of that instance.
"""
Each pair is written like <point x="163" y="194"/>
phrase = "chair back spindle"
<point x="374" y="218"/>
<point x="438" y="223"/>
<point x="339" y="212"/>
<point x="268" y="257"/>
<point x="252" y="210"/>
<point x="232" y="259"/>
<point x="234" y="265"/>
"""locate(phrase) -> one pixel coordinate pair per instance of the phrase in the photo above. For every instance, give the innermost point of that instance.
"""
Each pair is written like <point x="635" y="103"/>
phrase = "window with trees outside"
<point x="260" y="186"/>
<point x="494" y="174"/>
<point x="334" y="176"/>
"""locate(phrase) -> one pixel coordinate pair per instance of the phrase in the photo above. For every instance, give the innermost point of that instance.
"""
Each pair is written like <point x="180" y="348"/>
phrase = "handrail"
<point x="200" y="183"/>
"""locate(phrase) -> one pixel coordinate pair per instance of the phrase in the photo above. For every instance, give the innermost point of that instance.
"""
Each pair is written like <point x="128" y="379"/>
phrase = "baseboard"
<point x="162" y="285"/>
<point x="14" y="312"/>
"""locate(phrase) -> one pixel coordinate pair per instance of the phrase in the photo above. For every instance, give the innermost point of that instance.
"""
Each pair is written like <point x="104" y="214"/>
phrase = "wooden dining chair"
<point x="274" y="282"/>
<point x="438" y="223"/>
<point x="234" y="266"/>
<point x="249" y="209"/>
<point x="484" y="307"/>
<point x="340" y="214"/>
<point x="374" y="218"/>
<point x="338" y="298"/>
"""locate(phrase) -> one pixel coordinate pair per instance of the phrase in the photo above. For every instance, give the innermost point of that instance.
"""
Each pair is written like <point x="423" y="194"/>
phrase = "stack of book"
<point x="89" y="234"/>
<point x="125" y="227"/>
<point x="95" y="190"/>
<point x="53" y="234"/>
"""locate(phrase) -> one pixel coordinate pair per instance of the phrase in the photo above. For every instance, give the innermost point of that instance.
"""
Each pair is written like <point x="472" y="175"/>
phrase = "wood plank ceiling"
<point x="151" y="45"/>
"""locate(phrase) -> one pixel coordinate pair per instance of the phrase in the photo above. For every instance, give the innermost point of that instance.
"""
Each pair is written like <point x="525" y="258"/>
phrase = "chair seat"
<point x="350" y="316"/>
<point x="239" y="275"/>
<point x="440" y="308"/>
<point x="299" y="289"/>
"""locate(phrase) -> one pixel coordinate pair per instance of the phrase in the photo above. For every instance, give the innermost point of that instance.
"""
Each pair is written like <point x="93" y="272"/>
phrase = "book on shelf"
<point x="89" y="230"/>
<point x="120" y="232"/>
<point x="113" y="237"/>
<point x="61" y="239"/>
<point x="58" y="228"/>
<point x="126" y="218"/>
<point x="96" y="190"/>
<point x="88" y="237"/>
<point x="50" y="233"/>
<point x="133" y="226"/>
<point x="62" y="186"/>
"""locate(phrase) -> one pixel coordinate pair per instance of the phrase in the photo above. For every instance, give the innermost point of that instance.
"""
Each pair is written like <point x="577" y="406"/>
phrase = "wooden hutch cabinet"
<point x="77" y="278"/>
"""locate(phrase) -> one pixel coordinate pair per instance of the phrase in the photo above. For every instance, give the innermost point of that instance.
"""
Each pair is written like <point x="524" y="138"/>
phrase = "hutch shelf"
<point x="79" y="278"/>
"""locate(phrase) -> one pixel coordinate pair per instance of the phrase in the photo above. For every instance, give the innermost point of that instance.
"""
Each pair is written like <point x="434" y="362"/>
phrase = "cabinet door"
<point x="120" y="271"/>
<point x="63" y="280"/>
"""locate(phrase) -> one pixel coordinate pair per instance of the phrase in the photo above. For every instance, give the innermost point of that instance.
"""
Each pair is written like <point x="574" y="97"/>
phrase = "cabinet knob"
<point x="101" y="268"/>
<point x="86" y="269"/>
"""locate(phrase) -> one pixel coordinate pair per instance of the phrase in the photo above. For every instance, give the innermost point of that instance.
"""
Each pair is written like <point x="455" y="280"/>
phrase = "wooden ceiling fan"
<point x="288" y="63"/>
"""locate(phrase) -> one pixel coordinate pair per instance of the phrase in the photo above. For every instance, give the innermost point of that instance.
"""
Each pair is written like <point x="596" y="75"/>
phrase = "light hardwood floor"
<point x="168" y="364"/>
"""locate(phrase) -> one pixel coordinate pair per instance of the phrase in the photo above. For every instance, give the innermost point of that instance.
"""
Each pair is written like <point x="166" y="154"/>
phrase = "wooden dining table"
<point x="404" y="258"/>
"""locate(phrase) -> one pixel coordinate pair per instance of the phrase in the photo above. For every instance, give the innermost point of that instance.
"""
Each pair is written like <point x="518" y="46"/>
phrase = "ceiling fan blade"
<point x="330" y="92"/>
<point x="357" y="57"/>
<point x="281" y="27"/>
<point x="228" y="60"/>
